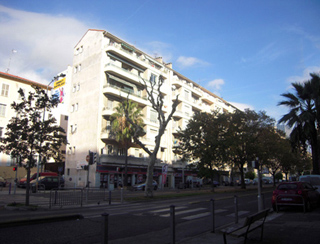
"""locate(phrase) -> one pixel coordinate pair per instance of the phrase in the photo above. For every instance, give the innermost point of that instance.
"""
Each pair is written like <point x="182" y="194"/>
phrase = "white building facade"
<point x="105" y="70"/>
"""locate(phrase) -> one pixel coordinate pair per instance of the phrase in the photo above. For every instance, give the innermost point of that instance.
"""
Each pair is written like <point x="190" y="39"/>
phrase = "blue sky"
<point x="248" y="52"/>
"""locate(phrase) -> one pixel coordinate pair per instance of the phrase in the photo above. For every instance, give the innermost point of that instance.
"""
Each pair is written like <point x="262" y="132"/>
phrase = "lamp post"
<point x="43" y="118"/>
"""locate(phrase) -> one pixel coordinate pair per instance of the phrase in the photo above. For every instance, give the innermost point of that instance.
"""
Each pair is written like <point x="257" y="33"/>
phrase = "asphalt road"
<point x="192" y="217"/>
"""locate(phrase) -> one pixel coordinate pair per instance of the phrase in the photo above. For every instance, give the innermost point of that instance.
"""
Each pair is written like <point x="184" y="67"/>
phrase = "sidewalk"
<point x="289" y="226"/>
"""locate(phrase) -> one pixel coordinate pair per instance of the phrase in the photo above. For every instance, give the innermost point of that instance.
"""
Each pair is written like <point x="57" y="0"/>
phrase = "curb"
<point x="38" y="220"/>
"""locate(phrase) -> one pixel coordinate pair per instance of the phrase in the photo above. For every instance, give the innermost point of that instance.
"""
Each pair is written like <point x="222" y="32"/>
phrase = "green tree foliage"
<point x="123" y="130"/>
<point x="250" y="175"/>
<point x="203" y="141"/>
<point x="242" y="136"/>
<point x="304" y="116"/>
<point x="29" y="134"/>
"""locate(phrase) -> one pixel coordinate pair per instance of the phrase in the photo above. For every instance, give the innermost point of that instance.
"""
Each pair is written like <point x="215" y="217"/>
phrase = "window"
<point x="186" y="94"/>
<point x="78" y="87"/>
<point x="1" y="132"/>
<point x="3" y="110"/>
<point x="153" y="78"/>
<point x="153" y="116"/>
<point x="74" y="88"/>
<point x="5" y="90"/>
<point x="76" y="107"/>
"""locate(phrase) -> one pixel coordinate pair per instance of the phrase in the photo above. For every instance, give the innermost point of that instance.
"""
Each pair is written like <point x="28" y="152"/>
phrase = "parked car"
<point x="142" y="186"/>
<point x="23" y="182"/>
<point x="295" y="194"/>
<point x="247" y="181"/>
<point x="47" y="183"/>
<point x="312" y="179"/>
<point x="3" y="182"/>
<point x="216" y="183"/>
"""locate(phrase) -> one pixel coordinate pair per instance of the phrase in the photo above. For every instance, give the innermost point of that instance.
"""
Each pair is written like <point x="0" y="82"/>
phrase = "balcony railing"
<point x="132" y="92"/>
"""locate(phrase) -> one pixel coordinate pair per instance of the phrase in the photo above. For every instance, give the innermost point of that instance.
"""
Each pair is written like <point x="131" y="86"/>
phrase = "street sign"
<point x="87" y="158"/>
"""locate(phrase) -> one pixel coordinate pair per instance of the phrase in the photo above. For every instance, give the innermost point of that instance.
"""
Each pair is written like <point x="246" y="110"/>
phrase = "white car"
<point x="314" y="180"/>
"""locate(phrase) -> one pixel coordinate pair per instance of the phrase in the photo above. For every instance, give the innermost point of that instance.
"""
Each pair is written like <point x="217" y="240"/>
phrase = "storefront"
<point x="112" y="177"/>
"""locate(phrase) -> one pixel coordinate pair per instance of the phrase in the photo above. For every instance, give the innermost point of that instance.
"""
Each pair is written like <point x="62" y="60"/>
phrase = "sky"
<point x="248" y="52"/>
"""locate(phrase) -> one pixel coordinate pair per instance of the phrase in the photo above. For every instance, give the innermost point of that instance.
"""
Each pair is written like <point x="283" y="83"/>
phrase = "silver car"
<point x="142" y="186"/>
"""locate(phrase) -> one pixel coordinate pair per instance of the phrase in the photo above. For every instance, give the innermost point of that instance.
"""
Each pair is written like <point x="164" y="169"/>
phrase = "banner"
<point x="164" y="173"/>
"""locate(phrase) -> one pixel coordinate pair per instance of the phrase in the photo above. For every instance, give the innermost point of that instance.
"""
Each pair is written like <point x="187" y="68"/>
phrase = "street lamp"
<point x="43" y="118"/>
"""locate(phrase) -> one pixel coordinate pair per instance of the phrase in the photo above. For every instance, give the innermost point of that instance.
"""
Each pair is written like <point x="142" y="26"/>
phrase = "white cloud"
<point x="185" y="62"/>
<point x="305" y="76"/>
<point x="216" y="84"/>
<point x="44" y="43"/>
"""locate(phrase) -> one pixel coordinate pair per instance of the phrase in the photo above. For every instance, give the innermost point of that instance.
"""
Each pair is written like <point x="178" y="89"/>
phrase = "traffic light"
<point x="95" y="158"/>
<point x="91" y="158"/>
<point x="15" y="168"/>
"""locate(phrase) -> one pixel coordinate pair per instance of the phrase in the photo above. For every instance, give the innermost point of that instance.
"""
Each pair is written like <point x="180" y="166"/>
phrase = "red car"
<point x="295" y="194"/>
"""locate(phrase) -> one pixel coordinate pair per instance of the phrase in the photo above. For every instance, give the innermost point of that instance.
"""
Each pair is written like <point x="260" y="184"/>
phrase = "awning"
<point x="121" y="81"/>
<point x="127" y="46"/>
<point x="126" y="62"/>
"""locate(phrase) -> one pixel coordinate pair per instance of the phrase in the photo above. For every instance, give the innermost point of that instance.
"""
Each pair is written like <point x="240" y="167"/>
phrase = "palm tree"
<point x="123" y="130"/>
<point x="304" y="117"/>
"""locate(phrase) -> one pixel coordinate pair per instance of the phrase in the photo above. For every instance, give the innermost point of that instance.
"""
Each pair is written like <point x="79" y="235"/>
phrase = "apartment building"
<point x="10" y="84"/>
<point x="107" y="70"/>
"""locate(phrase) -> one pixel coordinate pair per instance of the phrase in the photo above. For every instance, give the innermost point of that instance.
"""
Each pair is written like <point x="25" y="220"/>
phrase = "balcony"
<point x="107" y="111"/>
<point x="138" y="60"/>
<point x="135" y="96"/>
<point x="126" y="74"/>
<point x="178" y="114"/>
<point x="208" y="99"/>
<point x="117" y="159"/>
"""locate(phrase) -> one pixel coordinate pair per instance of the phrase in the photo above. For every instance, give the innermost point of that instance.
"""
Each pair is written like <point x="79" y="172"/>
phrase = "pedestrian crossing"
<point x="186" y="213"/>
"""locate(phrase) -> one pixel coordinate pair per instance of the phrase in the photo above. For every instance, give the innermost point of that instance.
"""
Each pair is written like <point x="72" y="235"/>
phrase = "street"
<point x="138" y="220"/>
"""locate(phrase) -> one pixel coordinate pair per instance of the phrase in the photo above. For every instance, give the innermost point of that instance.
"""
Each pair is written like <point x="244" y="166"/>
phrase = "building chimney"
<point x="169" y="65"/>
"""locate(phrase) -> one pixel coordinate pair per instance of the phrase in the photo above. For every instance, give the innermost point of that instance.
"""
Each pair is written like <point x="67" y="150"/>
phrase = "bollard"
<point x="212" y="216"/>
<point x="173" y="224"/>
<point x="105" y="229"/>
<point x="109" y="197"/>
<point x="121" y="195"/>
<point x="236" y="208"/>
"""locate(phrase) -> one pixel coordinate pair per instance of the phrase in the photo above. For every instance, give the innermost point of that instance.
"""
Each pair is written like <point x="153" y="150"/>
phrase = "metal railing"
<point x="78" y="196"/>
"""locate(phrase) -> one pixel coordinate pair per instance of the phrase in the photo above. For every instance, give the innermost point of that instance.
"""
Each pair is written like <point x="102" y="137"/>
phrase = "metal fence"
<point x="78" y="196"/>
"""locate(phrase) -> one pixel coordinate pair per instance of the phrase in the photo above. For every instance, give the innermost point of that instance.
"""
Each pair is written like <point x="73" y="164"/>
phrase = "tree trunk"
<point x="243" y="185"/>
<point x="125" y="183"/>
<point x="149" y="187"/>
<point x="28" y="186"/>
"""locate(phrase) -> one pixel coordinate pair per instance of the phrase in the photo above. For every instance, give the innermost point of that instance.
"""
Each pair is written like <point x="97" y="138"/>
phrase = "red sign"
<point x="87" y="158"/>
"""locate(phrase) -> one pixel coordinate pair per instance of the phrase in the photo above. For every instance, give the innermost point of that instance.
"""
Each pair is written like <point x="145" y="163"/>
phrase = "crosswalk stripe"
<point x="220" y="211"/>
<point x="196" y="216"/>
<point x="165" y="210"/>
<point x="183" y="212"/>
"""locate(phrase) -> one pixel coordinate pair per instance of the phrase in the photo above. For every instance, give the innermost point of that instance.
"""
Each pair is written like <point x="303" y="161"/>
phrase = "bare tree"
<point x="156" y="98"/>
